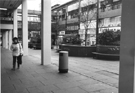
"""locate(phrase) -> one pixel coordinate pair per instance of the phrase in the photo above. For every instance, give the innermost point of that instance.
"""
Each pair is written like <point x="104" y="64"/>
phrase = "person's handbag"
<point x="21" y="50"/>
<point x="20" y="59"/>
<point x="20" y="55"/>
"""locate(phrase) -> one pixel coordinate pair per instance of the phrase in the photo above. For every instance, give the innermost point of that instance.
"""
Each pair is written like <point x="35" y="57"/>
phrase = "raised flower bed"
<point x="108" y="47"/>
<point x="72" y="44"/>
<point x="78" y="50"/>
<point x="107" y="52"/>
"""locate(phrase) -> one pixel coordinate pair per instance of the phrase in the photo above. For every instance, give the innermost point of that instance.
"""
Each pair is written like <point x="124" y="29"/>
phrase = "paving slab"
<point x="85" y="75"/>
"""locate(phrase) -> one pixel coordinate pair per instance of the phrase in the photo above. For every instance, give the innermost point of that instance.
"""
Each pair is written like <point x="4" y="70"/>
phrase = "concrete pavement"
<point x="86" y="75"/>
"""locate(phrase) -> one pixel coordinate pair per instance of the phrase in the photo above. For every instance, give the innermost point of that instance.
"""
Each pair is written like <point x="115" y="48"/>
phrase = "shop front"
<point x="71" y="33"/>
<point x="72" y="28"/>
<point x="91" y="36"/>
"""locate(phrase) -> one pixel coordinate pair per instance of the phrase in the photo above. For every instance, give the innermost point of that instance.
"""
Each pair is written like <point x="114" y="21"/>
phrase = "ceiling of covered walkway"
<point x="10" y="4"/>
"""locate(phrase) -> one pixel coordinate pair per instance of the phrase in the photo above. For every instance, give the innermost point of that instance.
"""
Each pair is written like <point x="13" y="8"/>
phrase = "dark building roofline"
<point x="55" y="6"/>
<point x="63" y="5"/>
<point x="32" y="12"/>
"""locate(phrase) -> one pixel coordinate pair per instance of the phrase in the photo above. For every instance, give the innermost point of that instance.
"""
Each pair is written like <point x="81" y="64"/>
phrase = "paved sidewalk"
<point x="85" y="76"/>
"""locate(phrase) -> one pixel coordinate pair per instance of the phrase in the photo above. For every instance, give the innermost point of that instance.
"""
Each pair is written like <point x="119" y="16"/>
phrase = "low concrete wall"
<point x="108" y="49"/>
<point x="78" y="51"/>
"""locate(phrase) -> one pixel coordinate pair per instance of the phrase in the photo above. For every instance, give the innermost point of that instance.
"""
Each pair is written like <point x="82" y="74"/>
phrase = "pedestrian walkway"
<point x="84" y="76"/>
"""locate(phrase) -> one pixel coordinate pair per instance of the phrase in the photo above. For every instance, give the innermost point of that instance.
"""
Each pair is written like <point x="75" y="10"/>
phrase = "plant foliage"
<point x="109" y="37"/>
<point x="72" y="39"/>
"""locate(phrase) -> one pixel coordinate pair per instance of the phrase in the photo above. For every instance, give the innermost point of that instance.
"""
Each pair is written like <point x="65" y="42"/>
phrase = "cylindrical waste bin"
<point x="63" y="62"/>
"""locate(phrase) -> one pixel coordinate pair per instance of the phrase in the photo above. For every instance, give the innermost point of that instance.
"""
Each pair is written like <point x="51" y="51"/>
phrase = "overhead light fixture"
<point x="11" y="5"/>
<point x="3" y="8"/>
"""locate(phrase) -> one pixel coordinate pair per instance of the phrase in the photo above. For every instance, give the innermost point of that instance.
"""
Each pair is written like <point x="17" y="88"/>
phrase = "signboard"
<point x="6" y="18"/>
<point x="62" y="33"/>
<point x="69" y="28"/>
<point x="19" y="25"/>
<point x="115" y="0"/>
<point x="72" y="26"/>
<point x="90" y="31"/>
<point x="108" y="1"/>
<point x="109" y="28"/>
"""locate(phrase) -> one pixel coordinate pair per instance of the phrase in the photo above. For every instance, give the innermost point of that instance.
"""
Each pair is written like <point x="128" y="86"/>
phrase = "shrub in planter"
<point x="108" y="49"/>
<point x="109" y="38"/>
<point x="72" y="40"/>
<point x="108" y="42"/>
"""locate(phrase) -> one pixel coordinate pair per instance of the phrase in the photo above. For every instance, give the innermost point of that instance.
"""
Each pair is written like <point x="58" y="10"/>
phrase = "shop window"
<point x="103" y="6"/>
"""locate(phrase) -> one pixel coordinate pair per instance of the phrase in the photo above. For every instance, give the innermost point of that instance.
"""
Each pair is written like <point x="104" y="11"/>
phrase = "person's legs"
<point x="18" y="64"/>
<point x="14" y="62"/>
<point x="19" y="59"/>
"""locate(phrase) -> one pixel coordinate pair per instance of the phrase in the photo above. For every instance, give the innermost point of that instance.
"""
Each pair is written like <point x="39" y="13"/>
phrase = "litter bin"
<point x="63" y="61"/>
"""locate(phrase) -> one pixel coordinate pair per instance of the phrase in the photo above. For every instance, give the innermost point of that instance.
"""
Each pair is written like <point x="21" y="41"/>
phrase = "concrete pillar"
<point x="7" y="44"/>
<point x="5" y="39"/>
<point x="15" y="24"/>
<point x="10" y="38"/>
<point x="25" y="27"/>
<point x="46" y="32"/>
<point x="127" y="48"/>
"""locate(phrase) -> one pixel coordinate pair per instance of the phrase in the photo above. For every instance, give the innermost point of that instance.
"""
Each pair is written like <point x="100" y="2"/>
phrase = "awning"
<point x="10" y="4"/>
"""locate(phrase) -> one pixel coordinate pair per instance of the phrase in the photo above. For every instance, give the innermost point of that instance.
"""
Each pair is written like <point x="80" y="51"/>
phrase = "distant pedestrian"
<point x="17" y="53"/>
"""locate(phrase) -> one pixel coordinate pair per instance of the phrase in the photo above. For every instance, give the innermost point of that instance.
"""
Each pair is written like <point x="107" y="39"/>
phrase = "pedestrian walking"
<point x="17" y="53"/>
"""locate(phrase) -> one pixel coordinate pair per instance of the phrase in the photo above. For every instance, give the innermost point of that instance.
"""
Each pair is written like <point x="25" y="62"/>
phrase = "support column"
<point x="15" y="24"/>
<point x="127" y="48"/>
<point x="46" y="32"/>
<point x="5" y="39"/>
<point x="10" y="38"/>
<point x="25" y="27"/>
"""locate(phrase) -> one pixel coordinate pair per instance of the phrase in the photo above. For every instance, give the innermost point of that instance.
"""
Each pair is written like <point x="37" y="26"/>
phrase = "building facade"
<point x="9" y="26"/>
<point x="74" y="18"/>
<point x="34" y="23"/>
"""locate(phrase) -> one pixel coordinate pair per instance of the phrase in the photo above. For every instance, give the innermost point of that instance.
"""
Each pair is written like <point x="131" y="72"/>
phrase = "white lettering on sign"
<point x="62" y="33"/>
<point x="72" y="28"/>
<point x="6" y="18"/>
<point x="90" y="31"/>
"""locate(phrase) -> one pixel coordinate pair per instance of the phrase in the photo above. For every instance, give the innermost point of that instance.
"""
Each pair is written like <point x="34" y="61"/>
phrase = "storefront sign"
<point x="72" y="28"/>
<point x="6" y="18"/>
<point x="19" y="25"/>
<point x="90" y="31"/>
<point x="115" y="0"/>
<point x="109" y="28"/>
<point x="62" y="33"/>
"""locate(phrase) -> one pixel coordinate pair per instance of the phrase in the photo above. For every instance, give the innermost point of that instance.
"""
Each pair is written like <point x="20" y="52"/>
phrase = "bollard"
<point x="63" y="61"/>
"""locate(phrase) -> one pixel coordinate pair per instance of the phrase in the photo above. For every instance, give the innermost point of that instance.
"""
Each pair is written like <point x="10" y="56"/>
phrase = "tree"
<point x="87" y="15"/>
<point x="56" y="27"/>
<point x="72" y="39"/>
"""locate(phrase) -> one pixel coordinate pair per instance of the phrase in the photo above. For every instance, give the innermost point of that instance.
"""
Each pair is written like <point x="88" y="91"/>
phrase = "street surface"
<point x="85" y="75"/>
<point x="108" y="66"/>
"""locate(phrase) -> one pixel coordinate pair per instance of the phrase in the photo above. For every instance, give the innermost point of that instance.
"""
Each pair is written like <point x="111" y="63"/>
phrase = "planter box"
<point x="107" y="52"/>
<point x="78" y="51"/>
<point x="108" y="49"/>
